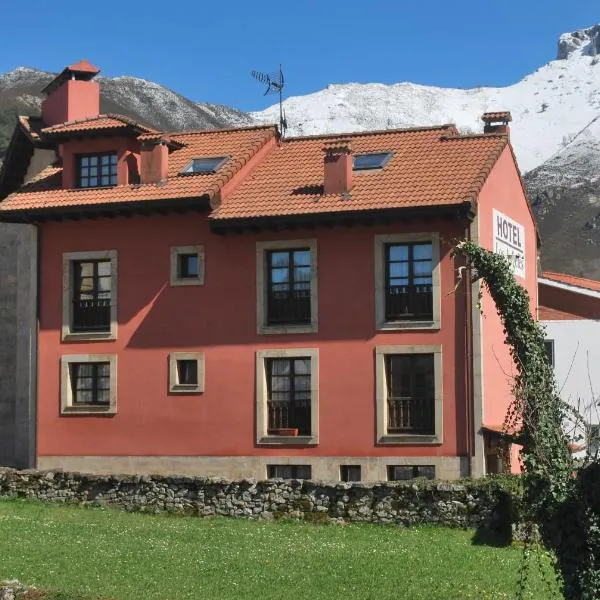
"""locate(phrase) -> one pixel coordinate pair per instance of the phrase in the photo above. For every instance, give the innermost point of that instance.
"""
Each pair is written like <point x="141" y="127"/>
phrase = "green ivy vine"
<point x="560" y="498"/>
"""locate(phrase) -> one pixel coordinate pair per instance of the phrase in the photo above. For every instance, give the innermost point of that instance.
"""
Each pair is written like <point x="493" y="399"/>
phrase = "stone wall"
<point x="18" y="284"/>
<point x="473" y="503"/>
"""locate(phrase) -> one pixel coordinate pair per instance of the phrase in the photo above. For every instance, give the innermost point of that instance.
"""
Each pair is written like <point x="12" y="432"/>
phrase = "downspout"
<point x="470" y="400"/>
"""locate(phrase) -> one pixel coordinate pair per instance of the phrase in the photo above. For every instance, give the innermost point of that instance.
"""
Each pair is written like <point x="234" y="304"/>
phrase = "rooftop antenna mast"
<point x="275" y="83"/>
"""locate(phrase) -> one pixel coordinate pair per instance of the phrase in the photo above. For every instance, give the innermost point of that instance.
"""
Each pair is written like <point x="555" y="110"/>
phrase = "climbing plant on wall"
<point x="561" y="498"/>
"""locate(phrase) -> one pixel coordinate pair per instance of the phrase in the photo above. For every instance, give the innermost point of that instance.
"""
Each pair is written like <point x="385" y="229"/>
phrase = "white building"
<point x="569" y="308"/>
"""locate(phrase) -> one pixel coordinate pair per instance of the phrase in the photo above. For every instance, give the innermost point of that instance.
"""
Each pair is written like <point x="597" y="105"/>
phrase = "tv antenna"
<point x="275" y="84"/>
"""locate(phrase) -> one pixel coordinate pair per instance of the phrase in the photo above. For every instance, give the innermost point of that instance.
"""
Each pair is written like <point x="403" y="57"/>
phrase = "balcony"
<point x="408" y="415"/>
<point x="409" y="302"/>
<point x="289" y="307"/>
<point x="285" y="416"/>
<point x="91" y="315"/>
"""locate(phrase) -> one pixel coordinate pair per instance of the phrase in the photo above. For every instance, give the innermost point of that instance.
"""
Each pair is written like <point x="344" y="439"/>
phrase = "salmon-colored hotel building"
<point x="234" y="303"/>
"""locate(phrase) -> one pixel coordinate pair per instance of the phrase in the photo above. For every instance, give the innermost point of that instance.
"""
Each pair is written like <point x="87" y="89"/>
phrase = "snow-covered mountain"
<point x="551" y="108"/>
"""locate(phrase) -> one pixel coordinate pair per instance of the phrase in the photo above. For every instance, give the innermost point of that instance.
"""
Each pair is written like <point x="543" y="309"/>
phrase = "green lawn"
<point x="107" y="553"/>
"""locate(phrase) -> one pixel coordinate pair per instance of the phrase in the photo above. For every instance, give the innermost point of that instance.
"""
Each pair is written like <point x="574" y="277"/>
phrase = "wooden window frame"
<point x="263" y="437"/>
<point x="68" y="405"/>
<point x="99" y="155"/>
<point x="383" y="436"/>
<point x="381" y="243"/>
<point x="262" y="287"/>
<point x="68" y="332"/>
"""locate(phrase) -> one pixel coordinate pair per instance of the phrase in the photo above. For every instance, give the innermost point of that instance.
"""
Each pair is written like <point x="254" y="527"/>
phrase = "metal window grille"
<point x="410" y="393"/>
<point x="406" y="472"/>
<point x="91" y="295"/>
<point x="350" y="472"/>
<point x="289" y="471"/>
<point x="288" y="291"/>
<point x="409" y="281"/>
<point x="90" y="383"/>
<point x="289" y="394"/>
<point x="96" y="170"/>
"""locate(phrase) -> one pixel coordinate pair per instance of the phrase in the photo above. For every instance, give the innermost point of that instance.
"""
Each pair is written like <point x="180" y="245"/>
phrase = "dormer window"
<point x="205" y="165"/>
<point x="96" y="170"/>
<point x="371" y="162"/>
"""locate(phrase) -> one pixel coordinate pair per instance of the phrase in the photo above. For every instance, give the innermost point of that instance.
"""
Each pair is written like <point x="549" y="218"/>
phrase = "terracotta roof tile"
<point x="497" y="116"/>
<point x="430" y="166"/>
<point x="44" y="191"/>
<point x="588" y="284"/>
<point x="94" y="124"/>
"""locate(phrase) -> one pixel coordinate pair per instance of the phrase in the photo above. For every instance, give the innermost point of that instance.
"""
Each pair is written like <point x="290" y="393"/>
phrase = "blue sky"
<point x="206" y="50"/>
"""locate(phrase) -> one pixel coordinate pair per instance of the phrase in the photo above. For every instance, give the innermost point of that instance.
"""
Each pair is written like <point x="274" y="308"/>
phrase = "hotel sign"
<point x="509" y="240"/>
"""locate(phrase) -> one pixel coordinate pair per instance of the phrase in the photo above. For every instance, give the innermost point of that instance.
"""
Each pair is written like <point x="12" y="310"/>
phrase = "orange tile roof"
<point x="44" y="191"/>
<point x="430" y="167"/>
<point x="95" y="124"/>
<point x="588" y="284"/>
<point x="553" y="314"/>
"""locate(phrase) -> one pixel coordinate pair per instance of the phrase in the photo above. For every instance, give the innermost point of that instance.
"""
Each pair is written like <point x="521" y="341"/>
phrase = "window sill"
<point x="184" y="281"/>
<point x="89" y="410"/>
<point x="412" y="325"/>
<point x="409" y="439"/>
<point x="288" y="440"/>
<point x="88" y="336"/>
<point x="185" y="389"/>
<point x="285" y="329"/>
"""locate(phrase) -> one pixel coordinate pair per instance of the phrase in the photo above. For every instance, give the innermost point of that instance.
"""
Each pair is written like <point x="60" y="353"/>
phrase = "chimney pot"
<point x="337" y="167"/>
<point x="496" y="122"/>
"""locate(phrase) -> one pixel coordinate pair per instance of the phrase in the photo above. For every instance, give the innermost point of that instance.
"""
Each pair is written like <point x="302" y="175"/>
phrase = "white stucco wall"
<point x="577" y="363"/>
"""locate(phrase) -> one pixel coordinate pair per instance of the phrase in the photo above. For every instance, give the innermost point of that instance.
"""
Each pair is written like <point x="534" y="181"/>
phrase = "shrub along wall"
<point x="491" y="503"/>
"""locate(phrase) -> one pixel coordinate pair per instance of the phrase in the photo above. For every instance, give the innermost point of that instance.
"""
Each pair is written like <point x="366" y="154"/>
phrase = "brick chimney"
<point x="154" y="155"/>
<point x="338" y="167"/>
<point x="72" y="95"/>
<point x="496" y="122"/>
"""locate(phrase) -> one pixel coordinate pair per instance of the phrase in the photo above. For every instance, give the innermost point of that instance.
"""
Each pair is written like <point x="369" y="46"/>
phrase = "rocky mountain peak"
<point x="583" y="42"/>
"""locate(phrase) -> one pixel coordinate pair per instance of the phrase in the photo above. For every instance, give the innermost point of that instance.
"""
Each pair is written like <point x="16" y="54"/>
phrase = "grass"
<point x="89" y="553"/>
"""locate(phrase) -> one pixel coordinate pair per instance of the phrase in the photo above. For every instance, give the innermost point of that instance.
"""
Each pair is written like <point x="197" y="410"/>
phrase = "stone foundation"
<point x="466" y="504"/>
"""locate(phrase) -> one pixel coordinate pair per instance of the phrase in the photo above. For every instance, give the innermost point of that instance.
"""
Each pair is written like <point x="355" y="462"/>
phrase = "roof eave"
<point x="108" y="210"/>
<point x="465" y="209"/>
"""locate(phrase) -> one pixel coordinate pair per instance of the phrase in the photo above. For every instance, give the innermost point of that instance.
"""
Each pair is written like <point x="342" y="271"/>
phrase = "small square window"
<point x="407" y="472"/>
<point x="187" y="265"/>
<point x="97" y="170"/>
<point x="370" y="162"/>
<point x="186" y="372"/>
<point x="289" y="471"/>
<point x="205" y="165"/>
<point x="350" y="473"/>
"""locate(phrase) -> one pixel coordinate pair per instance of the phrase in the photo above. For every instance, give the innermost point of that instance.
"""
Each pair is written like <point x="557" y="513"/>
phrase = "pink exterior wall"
<point x="503" y="191"/>
<point x="127" y="149"/>
<point x="219" y="319"/>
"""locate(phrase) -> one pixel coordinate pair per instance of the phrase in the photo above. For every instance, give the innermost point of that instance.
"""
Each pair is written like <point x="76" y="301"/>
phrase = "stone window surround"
<point x="380" y="266"/>
<point x="178" y="388"/>
<point x="181" y="281"/>
<point x="262" y="415"/>
<point x="68" y="259"/>
<point x="261" y="287"/>
<point x="381" y="395"/>
<point x="66" y="392"/>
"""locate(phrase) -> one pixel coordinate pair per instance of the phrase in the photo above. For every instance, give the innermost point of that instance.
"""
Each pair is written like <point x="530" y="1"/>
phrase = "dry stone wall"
<point x="467" y="504"/>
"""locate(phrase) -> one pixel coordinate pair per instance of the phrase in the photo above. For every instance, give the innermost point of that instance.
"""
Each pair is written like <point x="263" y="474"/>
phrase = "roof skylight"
<point x="205" y="165"/>
<point x="370" y="162"/>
